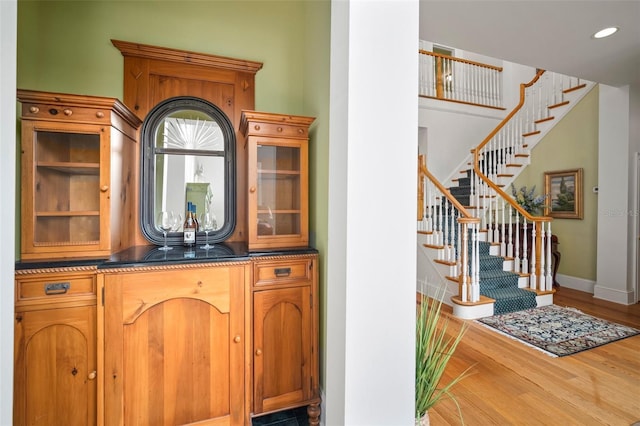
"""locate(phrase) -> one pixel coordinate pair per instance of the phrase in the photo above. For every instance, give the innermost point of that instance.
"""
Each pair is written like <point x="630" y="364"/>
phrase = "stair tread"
<point x="558" y="105"/>
<point x="542" y="120"/>
<point x="571" y="89"/>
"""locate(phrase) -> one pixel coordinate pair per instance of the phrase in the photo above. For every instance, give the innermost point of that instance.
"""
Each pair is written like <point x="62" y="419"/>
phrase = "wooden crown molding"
<point x="174" y="55"/>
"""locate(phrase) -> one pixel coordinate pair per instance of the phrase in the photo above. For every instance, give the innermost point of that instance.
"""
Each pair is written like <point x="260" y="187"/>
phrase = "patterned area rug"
<point x="558" y="331"/>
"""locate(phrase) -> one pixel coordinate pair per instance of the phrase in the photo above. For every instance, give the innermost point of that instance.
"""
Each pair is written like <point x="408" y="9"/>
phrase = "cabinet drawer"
<point x="269" y="273"/>
<point x="278" y="130"/>
<point x="71" y="114"/>
<point x="52" y="288"/>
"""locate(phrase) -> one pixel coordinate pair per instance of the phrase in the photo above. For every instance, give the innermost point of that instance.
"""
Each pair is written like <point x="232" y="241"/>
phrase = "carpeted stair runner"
<point x="502" y="286"/>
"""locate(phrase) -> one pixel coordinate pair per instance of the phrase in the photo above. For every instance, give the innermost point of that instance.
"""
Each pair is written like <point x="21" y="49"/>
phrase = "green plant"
<point x="434" y="348"/>
<point x="526" y="198"/>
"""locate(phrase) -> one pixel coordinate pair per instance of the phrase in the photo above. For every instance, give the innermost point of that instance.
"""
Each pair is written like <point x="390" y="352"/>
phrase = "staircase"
<point x="497" y="278"/>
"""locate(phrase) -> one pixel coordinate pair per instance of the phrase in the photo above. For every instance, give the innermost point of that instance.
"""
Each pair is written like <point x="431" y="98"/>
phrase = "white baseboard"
<point x="623" y="297"/>
<point x="575" y="283"/>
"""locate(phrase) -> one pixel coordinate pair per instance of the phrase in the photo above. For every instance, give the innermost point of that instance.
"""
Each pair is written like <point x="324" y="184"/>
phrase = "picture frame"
<point x="563" y="190"/>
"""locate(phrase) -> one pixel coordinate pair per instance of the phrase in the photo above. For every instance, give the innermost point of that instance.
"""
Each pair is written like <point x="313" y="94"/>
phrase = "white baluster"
<point x="447" y="79"/>
<point x="516" y="260"/>
<point x="445" y="236"/>
<point x="452" y="224"/>
<point x="503" y="244"/>
<point x="472" y="262"/>
<point x="458" y="265"/>
<point x="496" y="227"/>
<point x="439" y="222"/>
<point x="428" y="212"/>
<point x="510" y="241"/>
<point x="541" y="280"/>
<point x="533" y="282"/>
<point x="457" y="80"/>
<point x="541" y="114"/>
<point x="464" y="253"/>
<point x="549" y="280"/>
<point x="483" y="216"/>
<point x="476" y="85"/>
<point x="476" y="278"/>
<point x="425" y="202"/>
<point x="483" y="86"/>
<point x="525" y="243"/>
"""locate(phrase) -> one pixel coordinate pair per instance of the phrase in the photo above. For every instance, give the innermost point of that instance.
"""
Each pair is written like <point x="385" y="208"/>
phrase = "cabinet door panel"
<point x="175" y="347"/>
<point x="179" y="352"/>
<point x="55" y="367"/>
<point x="282" y="347"/>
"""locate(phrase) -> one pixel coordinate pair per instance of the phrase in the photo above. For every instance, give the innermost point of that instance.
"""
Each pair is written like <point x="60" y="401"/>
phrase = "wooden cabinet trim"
<point x="184" y="56"/>
<point x="97" y="104"/>
<point x="60" y="270"/>
<point x="164" y="267"/>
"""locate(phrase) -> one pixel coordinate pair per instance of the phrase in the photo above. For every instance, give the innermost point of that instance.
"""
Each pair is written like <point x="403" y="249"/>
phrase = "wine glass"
<point x="208" y="223"/>
<point x="166" y="223"/>
<point x="177" y="222"/>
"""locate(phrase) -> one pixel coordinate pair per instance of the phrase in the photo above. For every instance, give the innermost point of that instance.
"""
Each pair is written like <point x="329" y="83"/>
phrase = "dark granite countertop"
<point x="152" y="255"/>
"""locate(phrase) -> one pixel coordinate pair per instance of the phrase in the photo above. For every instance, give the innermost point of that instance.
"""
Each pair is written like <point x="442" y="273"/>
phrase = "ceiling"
<point x="553" y="35"/>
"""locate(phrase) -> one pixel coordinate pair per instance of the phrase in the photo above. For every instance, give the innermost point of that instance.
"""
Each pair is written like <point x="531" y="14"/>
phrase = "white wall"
<point x="371" y="264"/>
<point x="613" y="200"/>
<point x="8" y="29"/>
<point x="451" y="134"/>
<point x="634" y="191"/>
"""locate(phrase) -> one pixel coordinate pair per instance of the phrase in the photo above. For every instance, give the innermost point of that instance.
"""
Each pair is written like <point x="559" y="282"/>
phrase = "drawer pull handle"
<point x="282" y="272"/>
<point x="56" y="288"/>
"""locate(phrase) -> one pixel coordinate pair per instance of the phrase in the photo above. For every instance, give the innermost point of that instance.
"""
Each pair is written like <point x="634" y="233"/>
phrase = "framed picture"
<point x="564" y="194"/>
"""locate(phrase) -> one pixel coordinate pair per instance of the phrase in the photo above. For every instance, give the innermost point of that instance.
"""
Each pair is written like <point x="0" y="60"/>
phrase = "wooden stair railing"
<point x="490" y="159"/>
<point x="438" y="214"/>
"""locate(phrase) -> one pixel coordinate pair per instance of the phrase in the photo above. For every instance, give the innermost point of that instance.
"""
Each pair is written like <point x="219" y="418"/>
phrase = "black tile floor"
<point x="294" y="417"/>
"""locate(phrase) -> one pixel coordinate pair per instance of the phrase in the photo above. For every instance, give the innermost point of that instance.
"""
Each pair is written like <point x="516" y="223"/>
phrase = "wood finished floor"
<point x="514" y="384"/>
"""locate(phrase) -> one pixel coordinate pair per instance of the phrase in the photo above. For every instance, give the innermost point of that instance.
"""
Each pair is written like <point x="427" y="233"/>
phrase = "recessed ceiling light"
<point x="606" y="32"/>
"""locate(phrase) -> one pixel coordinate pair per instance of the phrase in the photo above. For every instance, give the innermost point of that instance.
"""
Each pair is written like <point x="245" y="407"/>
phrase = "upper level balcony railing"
<point x="460" y="80"/>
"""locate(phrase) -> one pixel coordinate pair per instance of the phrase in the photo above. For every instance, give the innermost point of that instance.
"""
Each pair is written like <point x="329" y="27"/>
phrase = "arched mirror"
<point x="188" y="156"/>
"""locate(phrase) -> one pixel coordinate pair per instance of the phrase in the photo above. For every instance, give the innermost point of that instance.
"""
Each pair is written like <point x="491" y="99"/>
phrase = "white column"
<point x="379" y="391"/>
<point x="614" y="237"/>
<point x="8" y="43"/>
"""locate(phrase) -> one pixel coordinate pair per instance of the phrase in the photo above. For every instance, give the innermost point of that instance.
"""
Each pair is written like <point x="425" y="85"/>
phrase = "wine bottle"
<point x="189" y="228"/>
<point x="195" y="217"/>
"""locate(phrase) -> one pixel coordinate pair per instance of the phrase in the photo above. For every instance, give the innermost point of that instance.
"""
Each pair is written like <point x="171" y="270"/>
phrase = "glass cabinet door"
<point x="278" y="179"/>
<point x="66" y="188"/>
<point x="278" y="189"/>
<point x="77" y="175"/>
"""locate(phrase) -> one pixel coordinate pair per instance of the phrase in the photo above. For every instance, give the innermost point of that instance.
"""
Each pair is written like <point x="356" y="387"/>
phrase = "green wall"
<point x="64" y="46"/>
<point x="572" y="144"/>
<point x="316" y="104"/>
